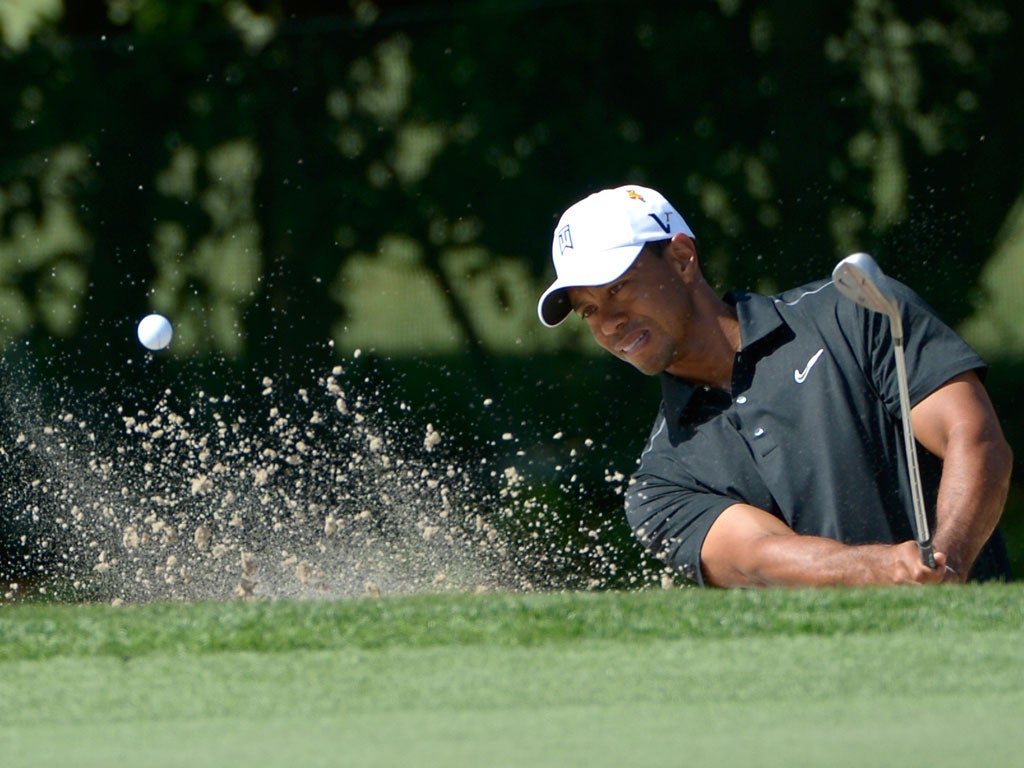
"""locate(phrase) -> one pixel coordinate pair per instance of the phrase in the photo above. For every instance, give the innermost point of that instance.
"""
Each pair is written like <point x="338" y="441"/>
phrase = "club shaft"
<point x="859" y="279"/>
<point x="924" y="536"/>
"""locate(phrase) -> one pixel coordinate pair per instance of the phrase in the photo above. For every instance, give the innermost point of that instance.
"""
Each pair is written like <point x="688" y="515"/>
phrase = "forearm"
<point x="972" y="494"/>
<point x="958" y="424"/>
<point x="811" y="561"/>
<point x="747" y="547"/>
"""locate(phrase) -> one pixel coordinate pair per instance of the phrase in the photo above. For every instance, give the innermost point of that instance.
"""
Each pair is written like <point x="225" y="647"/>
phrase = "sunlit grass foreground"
<point x="774" y="678"/>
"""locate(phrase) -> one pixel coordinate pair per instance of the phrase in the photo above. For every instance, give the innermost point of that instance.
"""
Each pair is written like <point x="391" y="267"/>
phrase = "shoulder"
<point x="817" y="302"/>
<point x="760" y="312"/>
<point x="815" y="297"/>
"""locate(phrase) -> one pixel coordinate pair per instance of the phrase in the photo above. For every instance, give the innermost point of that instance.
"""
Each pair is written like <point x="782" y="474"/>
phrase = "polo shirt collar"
<point x="758" y="318"/>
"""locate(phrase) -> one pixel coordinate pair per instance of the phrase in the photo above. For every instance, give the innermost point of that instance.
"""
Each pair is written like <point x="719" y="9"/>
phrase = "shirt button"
<point x="759" y="431"/>
<point x="741" y="399"/>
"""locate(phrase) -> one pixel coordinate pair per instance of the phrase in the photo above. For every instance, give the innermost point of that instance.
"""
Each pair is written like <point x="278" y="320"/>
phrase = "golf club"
<point x="861" y="280"/>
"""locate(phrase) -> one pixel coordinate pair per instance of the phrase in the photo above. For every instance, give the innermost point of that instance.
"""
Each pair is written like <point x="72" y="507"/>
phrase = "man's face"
<point x="644" y="316"/>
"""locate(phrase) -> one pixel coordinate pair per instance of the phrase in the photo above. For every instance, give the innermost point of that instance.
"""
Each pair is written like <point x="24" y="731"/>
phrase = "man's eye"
<point x="615" y="289"/>
<point x="586" y="312"/>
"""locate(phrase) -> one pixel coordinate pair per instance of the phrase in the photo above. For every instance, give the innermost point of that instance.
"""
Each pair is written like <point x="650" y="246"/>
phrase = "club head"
<point x="861" y="280"/>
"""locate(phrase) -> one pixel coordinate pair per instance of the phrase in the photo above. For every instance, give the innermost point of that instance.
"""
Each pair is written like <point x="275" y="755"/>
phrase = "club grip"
<point x="927" y="552"/>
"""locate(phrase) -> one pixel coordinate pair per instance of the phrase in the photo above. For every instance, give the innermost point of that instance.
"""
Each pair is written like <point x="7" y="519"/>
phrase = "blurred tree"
<point x="224" y="161"/>
<point x="273" y="173"/>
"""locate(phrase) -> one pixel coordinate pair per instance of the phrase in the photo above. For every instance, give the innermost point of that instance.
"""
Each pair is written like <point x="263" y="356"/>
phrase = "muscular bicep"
<point x="733" y="551"/>
<point x="961" y="405"/>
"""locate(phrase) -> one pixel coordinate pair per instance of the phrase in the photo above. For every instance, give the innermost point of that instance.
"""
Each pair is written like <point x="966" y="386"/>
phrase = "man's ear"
<point x="682" y="252"/>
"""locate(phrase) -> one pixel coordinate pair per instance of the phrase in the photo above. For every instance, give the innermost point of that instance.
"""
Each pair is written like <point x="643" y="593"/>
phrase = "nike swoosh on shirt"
<point x="801" y="376"/>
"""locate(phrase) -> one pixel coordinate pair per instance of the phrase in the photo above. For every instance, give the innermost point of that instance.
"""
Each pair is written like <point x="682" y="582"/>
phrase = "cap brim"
<point x="554" y="305"/>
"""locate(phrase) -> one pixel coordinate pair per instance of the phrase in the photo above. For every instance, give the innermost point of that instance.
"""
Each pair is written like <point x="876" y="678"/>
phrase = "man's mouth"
<point x="634" y="343"/>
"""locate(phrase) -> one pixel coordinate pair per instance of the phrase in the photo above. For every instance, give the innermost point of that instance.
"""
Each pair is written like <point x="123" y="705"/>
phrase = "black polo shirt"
<point x="811" y="431"/>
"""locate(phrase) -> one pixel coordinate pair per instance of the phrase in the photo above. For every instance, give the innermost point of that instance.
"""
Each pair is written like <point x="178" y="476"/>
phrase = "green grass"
<point x="767" y="678"/>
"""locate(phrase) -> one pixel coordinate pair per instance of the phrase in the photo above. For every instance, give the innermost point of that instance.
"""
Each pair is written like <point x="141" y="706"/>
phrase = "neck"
<point x="716" y="342"/>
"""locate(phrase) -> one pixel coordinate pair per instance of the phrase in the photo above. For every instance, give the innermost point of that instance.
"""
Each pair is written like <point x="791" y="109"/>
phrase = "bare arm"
<point x="748" y="547"/>
<point x="958" y="424"/>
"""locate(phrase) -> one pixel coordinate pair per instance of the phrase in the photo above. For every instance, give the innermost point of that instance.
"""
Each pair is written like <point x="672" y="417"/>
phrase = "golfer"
<point x="777" y="456"/>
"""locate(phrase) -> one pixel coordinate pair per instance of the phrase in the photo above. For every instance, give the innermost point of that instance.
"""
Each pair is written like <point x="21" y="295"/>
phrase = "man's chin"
<point x="646" y="367"/>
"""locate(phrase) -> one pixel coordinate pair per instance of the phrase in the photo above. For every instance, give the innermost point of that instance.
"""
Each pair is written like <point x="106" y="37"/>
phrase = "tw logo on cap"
<point x="564" y="239"/>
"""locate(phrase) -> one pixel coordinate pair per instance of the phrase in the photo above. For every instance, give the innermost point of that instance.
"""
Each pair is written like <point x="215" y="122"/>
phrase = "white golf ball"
<point x="155" y="332"/>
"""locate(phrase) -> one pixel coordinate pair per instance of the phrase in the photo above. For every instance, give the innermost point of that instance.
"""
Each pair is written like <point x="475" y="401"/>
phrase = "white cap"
<point x="599" y="238"/>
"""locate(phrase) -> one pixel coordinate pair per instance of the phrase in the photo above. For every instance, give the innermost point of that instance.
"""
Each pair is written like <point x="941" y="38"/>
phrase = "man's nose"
<point x="612" y="319"/>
